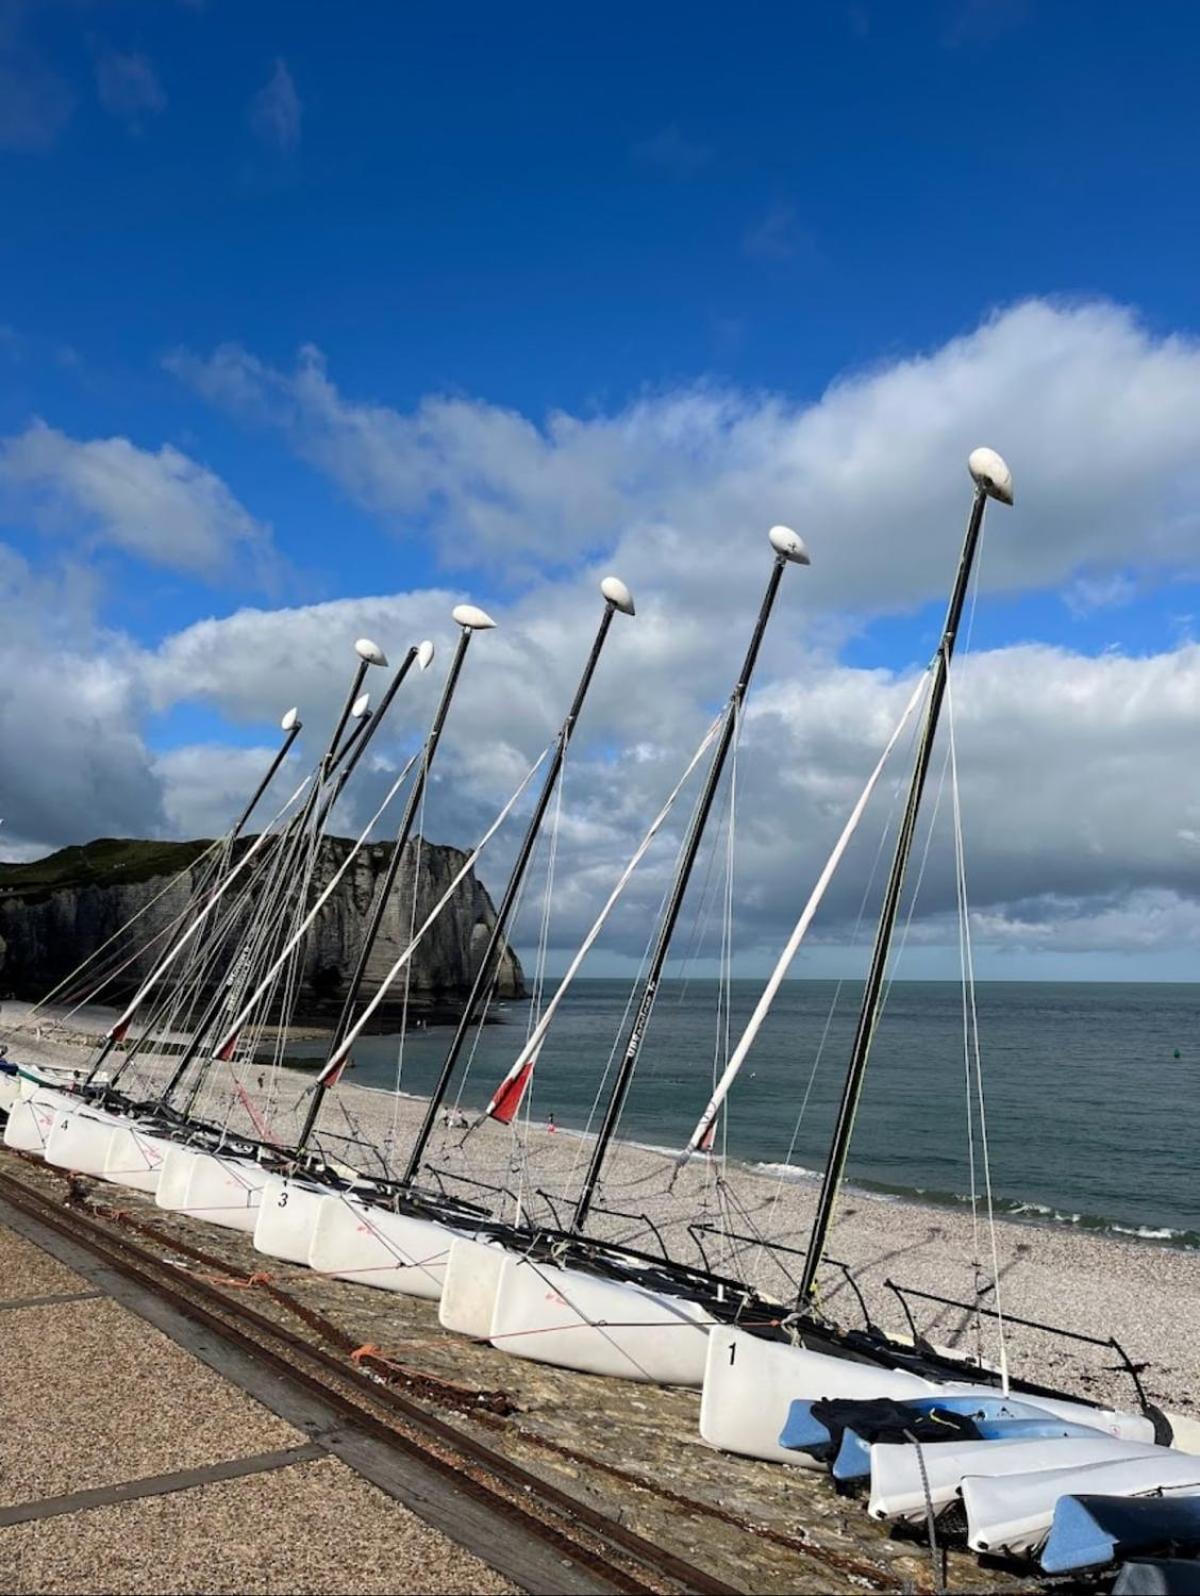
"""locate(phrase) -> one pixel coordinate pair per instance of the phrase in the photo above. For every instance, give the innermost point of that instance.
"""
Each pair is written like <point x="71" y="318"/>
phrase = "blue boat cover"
<point x="1168" y="1576"/>
<point x="853" y="1461"/>
<point x="1090" y="1531"/>
<point x="816" y="1427"/>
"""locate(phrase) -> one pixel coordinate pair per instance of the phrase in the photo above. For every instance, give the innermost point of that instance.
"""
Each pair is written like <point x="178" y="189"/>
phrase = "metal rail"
<point x="439" y="1448"/>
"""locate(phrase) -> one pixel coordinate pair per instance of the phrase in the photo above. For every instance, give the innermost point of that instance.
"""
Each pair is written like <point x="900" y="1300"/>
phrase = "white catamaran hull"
<point x="581" y="1321"/>
<point x="171" y="1192"/>
<point x="31" y="1119"/>
<point x="376" y="1247"/>
<point x="468" y="1301"/>
<point x="906" y="1480"/>
<point x="287" y="1218"/>
<point x="218" y="1189"/>
<point x="750" y="1383"/>
<point x="10" y="1090"/>
<point x="79" y="1140"/>
<point x="1014" y="1515"/>
<point x="135" y="1157"/>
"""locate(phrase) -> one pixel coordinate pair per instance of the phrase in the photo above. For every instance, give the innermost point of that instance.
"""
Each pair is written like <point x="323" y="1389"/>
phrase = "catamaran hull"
<point x="32" y="1118"/>
<point x="79" y="1140"/>
<point x="468" y="1301"/>
<point x="287" y="1218"/>
<point x="750" y="1384"/>
<point x="10" y="1089"/>
<point x="1014" y="1515"/>
<point x="579" y="1321"/>
<point x="376" y="1247"/>
<point x="906" y="1481"/>
<point x="218" y="1190"/>
<point x="135" y="1157"/>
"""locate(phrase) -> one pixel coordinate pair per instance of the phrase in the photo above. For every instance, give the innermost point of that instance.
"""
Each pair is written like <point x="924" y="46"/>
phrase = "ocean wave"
<point x="787" y="1171"/>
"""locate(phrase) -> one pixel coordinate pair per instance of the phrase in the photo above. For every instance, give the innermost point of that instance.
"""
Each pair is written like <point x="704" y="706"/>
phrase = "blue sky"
<point x="564" y="210"/>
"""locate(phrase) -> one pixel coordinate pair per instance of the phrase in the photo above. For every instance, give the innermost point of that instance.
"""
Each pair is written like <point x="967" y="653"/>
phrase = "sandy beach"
<point x="1146" y="1296"/>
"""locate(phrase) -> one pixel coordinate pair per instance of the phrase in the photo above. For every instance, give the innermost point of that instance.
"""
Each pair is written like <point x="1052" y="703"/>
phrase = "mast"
<point x="290" y="842"/>
<point x="470" y="620"/>
<point x="616" y="597"/>
<point x="788" y="547"/>
<point x="992" y="480"/>
<point x="290" y="724"/>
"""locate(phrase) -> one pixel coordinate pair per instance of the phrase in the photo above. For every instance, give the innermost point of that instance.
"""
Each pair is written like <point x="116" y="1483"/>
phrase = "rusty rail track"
<point x="601" y="1554"/>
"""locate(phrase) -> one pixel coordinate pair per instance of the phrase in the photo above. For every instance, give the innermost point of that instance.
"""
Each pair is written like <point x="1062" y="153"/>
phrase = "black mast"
<point x="292" y="726"/>
<point x="788" y="547"/>
<point x="471" y="620"/>
<point x="616" y="597"/>
<point x="992" y="480"/>
<point x="290" y="842"/>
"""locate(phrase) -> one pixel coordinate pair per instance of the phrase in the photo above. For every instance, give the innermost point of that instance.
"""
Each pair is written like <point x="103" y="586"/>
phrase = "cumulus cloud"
<point x="1096" y="413"/>
<point x="129" y="88"/>
<point x="1080" y="831"/>
<point x="276" y="109"/>
<point x="162" y="507"/>
<point x="76" y="765"/>
<point x="1099" y="823"/>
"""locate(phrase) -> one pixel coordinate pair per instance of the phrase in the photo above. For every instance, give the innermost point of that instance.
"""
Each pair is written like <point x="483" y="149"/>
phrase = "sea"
<point x="1092" y="1091"/>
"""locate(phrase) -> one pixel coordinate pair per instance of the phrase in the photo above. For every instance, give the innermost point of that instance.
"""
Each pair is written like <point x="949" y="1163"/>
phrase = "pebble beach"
<point x="1145" y="1295"/>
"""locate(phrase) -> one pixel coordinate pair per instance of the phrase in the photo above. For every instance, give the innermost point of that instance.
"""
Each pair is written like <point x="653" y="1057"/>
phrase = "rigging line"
<point x="489" y="997"/>
<point x="468" y="865"/>
<point x="634" y="987"/>
<point x="418" y="861"/>
<point x="960" y="889"/>
<point x="983" y="1136"/>
<point x="647" y="1014"/>
<point x="799" y="931"/>
<point x="236" y="1024"/>
<point x="57" y="991"/>
<point x="524" y="1065"/>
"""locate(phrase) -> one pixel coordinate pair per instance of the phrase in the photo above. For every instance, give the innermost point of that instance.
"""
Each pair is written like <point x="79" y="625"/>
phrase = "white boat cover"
<point x="10" y="1090"/>
<point x="907" y="1480"/>
<point x="472" y="1280"/>
<point x="576" y="1320"/>
<point x="375" y="1247"/>
<point x="1014" y="1515"/>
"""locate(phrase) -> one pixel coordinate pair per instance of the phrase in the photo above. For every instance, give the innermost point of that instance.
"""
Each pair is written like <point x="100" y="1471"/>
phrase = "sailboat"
<point x="591" y="1305"/>
<point x="98" y="1129"/>
<point x="388" y="1234"/>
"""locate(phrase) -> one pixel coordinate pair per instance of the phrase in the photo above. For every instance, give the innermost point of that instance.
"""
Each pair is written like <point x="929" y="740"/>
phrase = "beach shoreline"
<point x="1138" y="1289"/>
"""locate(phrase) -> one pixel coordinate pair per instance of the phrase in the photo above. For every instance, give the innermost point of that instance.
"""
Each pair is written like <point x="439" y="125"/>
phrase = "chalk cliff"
<point x="56" y="912"/>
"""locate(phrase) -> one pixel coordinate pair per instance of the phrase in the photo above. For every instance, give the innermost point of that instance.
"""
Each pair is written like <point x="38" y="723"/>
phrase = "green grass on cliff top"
<point x="107" y="862"/>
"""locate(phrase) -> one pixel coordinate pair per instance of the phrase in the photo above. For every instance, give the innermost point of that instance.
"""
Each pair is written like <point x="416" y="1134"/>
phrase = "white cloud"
<point x="75" y="764"/>
<point x="1076" y="817"/>
<point x="162" y="507"/>
<point x="129" y="88"/>
<point x="1097" y="416"/>
<point x="275" y="111"/>
<point x="1080" y="820"/>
